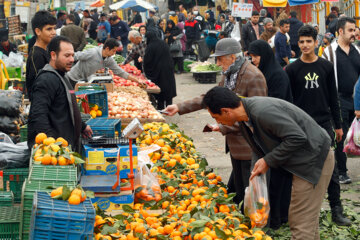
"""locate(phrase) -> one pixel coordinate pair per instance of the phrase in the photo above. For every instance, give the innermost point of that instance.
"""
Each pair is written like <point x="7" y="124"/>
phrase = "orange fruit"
<point x="95" y="107"/>
<point x="40" y="138"/>
<point x="98" y="113"/>
<point x="157" y="197"/>
<point x="74" y="199"/>
<point x="160" y="142"/>
<point x="56" y="192"/>
<point x="76" y="191"/>
<point x="93" y="113"/>
<point x="62" y="161"/>
<point x="211" y="175"/>
<point x="172" y="163"/>
<point x="64" y="143"/>
<point x="224" y="209"/>
<point x="48" y="141"/>
<point x="38" y="158"/>
<point x="190" y="161"/>
<point x="165" y="204"/>
<point x="171" y="189"/>
<point x="106" y="238"/>
<point x="72" y="159"/>
<point x="53" y="160"/>
<point x="46" y="159"/>
<point x="140" y="229"/>
<point x="185" y="193"/>
<point x="168" y="229"/>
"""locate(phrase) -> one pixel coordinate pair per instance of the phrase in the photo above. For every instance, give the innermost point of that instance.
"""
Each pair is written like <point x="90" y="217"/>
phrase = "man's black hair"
<point x="284" y="21"/>
<point x="113" y="18"/>
<point x="255" y="13"/>
<point x="293" y="14"/>
<point x="103" y="15"/>
<point x="54" y="45"/>
<point x="87" y="11"/>
<point x="41" y="19"/>
<point x="342" y="22"/>
<point x="307" y="31"/>
<point x="71" y="17"/>
<point x="220" y="97"/>
<point x="225" y="34"/>
<point x="111" y="43"/>
<point x="60" y="14"/>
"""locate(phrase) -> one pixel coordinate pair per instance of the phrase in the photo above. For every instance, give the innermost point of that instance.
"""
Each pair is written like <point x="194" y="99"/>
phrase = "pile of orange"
<point x="194" y="202"/>
<point x="48" y="151"/>
<point x="95" y="111"/>
<point x="73" y="196"/>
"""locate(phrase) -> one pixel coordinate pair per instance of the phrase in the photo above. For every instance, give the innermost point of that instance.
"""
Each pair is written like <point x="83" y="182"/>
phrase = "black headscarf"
<point x="276" y="78"/>
<point x="158" y="65"/>
<point x="152" y="27"/>
<point x="174" y="31"/>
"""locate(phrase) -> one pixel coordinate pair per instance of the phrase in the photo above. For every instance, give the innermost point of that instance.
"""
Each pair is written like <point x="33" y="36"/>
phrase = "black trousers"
<point x="296" y="49"/>
<point x="334" y="185"/>
<point x="162" y="101"/>
<point x="179" y="61"/>
<point x="347" y="114"/>
<point x="239" y="178"/>
<point x="279" y="196"/>
<point x="189" y="49"/>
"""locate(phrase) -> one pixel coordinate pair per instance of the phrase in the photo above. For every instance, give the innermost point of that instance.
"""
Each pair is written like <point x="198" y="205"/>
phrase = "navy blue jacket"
<point x="120" y="29"/>
<point x="295" y="25"/>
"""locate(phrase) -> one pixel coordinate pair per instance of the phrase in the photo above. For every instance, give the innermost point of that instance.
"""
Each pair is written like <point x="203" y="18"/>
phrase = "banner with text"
<point x="243" y="10"/>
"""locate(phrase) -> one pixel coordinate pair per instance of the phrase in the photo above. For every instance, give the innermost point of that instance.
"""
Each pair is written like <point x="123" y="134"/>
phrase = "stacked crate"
<point x="42" y="178"/>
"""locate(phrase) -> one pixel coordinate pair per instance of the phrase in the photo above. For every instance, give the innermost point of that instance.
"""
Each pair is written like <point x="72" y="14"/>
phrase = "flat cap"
<point x="226" y="46"/>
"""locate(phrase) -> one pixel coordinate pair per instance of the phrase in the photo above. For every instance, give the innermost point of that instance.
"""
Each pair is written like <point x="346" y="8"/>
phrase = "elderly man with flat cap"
<point x="243" y="78"/>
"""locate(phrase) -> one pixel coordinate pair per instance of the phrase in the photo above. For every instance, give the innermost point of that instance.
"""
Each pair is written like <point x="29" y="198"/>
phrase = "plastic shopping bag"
<point x="352" y="141"/>
<point x="147" y="187"/>
<point x="256" y="201"/>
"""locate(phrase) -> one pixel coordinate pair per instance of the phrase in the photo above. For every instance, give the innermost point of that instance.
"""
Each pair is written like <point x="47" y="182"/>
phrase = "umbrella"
<point x="136" y="5"/>
<point x="98" y="3"/>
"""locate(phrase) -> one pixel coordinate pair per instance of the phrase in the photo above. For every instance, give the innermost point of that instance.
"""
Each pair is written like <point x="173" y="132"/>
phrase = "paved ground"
<point x="213" y="147"/>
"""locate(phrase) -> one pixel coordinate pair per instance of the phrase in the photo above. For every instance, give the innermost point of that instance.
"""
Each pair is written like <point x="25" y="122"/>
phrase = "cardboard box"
<point x="113" y="202"/>
<point x="102" y="161"/>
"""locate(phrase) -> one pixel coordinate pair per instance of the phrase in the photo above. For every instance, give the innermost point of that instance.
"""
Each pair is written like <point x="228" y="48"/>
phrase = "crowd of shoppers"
<point x="256" y="61"/>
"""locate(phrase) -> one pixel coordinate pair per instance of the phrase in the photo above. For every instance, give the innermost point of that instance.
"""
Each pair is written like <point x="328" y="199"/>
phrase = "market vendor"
<point x="95" y="59"/>
<point x="6" y="46"/>
<point x="281" y="135"/>
<point x="54" y="109"/>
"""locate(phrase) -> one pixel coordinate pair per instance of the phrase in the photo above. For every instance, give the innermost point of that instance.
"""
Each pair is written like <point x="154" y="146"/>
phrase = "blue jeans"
<point x="124" y="51"/>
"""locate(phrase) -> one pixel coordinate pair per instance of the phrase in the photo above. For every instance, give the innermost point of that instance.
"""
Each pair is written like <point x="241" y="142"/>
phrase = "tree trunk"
<point x="2" y="11"/>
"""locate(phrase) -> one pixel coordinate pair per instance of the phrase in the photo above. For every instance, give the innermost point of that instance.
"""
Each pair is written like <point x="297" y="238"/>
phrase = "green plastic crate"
<point x="13" y="180"/>
<point x="6" y="199"/>
<point x="40" y="172"/>
<point x="23" y="133"/>
<point x="28" y="190"/>
<point x="9" y="223"/>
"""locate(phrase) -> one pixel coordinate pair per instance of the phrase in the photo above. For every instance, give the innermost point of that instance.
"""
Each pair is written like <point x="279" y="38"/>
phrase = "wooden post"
<point x="357" y="12"/>
<point x="317" y="14"/>
<point x="327" y="9"/>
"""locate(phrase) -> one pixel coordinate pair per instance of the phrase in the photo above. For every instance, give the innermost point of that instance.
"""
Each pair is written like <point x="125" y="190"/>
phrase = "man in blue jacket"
<point x="282" y="135"/>
<point x="120" y="31"/>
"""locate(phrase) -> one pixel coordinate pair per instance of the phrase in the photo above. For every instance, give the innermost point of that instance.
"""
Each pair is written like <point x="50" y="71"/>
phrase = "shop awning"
<point x="98" y="3"/>
<point x="301" y="2"/>
<point x="136" y="5"/>
<point x="274" y="3"/>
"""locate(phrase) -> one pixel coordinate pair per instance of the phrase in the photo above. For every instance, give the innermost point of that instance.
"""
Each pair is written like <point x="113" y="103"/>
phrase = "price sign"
<point x="243" y="10"/>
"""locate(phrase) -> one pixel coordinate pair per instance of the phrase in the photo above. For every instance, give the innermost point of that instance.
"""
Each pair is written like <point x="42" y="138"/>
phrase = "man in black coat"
<point x="251" y="31"/>
<point x="54" y="109"/>
<point x="283" y="136"/>
<point x="295" y="25"/>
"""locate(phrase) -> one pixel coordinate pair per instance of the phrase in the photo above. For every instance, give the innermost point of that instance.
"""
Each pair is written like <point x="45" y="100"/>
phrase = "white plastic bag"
<point x="147" y="187"/>
<point x="235" y="34"/>
<point x="14" y="60"/>
<point x="256" y="201"/>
